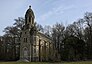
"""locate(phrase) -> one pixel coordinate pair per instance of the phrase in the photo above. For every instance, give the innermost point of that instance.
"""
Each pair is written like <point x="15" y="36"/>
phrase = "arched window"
<point x="32" y="20"/>
<point x="29" y="19"/>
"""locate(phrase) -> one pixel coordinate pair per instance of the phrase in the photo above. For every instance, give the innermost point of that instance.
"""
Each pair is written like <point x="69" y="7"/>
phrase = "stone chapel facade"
<point x="35" y="46"/>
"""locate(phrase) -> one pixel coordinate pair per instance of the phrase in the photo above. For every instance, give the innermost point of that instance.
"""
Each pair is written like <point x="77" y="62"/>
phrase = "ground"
<point x="81" y="62"/>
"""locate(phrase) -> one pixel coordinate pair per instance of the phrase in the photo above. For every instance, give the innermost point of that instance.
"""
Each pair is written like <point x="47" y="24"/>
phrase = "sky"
<point x="47" y="12"/>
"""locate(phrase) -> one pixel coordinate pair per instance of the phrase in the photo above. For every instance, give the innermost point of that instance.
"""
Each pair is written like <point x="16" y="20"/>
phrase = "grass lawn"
<point x="82" y="62"/>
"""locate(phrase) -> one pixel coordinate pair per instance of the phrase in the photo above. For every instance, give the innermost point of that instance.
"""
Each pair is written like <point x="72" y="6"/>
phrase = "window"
<point x="32" y="20"/>
<point x="25" y="39"/>
<point x="25" y="32"/>
<point x="29" y="19"/>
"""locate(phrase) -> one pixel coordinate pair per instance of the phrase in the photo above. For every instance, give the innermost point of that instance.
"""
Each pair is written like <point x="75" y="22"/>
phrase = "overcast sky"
<point x="47" y="12"/>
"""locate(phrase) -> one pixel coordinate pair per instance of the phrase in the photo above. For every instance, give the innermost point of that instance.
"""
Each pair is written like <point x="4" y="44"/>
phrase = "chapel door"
<point x="25" y="54"/>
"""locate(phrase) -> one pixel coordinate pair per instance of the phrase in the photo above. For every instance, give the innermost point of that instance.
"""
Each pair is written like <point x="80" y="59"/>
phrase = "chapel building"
<point x="34" y="45"/>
